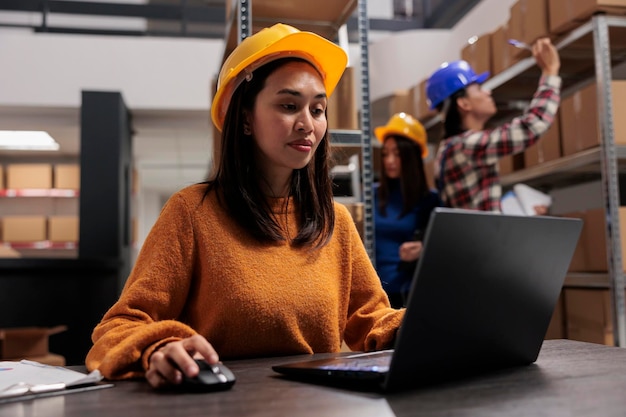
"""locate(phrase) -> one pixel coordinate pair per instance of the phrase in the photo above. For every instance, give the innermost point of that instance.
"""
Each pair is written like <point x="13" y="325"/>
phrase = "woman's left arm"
<point x="371" y="322"/>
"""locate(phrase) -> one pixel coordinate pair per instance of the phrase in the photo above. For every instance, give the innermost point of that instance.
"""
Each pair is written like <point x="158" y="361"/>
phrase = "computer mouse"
<point x="215" y="377"/>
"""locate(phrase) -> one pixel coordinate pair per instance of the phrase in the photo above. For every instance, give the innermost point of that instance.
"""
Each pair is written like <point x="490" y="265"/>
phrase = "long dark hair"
<point x="453" y="124"/>
<point x="412" y="177"/>
<point x="238" y="183"/>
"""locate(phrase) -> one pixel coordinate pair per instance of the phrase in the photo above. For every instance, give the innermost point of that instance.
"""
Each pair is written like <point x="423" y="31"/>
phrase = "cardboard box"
<point x="26" y="342"/>
<point x="579" y="258"/>
<point x="67" y="176"/>
<point x="63" y="228"/>
<point x="588" y="315"/>
<point x="356" y="211"/>
<point x="590" y="254"/>
<point x="2" y="177"/>
<point x="477" y="52"/>
<point x="7" y="252"/>
<point x="511" y="163"/>
<point x="547" y="149"/>
<point x="342" y="104"/>
<point x="21" y="176"/>
<point x="556" y="328"/>
<point x="528" y="21"/>
<point x="429" y="171"/>
<point x="23" y="228"/>
<point x="580" y="128"/>
<point x="420" y="102"/>
<point x="566" y="15"/>
<point x="401" y="101"/>
<point x="502" y="53"/>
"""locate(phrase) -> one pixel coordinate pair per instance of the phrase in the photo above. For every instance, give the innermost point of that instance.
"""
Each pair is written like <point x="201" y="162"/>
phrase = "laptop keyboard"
<point x="362" y="362"/>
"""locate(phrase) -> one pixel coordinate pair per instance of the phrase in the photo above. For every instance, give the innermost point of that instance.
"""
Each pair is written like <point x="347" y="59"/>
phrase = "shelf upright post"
<point x="244" y="19"/>
<point x="366" y="138"/>
<point x="610" y="187"/>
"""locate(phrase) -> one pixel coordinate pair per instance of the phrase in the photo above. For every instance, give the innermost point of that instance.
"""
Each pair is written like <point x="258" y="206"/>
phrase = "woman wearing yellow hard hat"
<point x="258" y="260"/>
<point x="402" y="204"/>
<point x="466" y="165"/>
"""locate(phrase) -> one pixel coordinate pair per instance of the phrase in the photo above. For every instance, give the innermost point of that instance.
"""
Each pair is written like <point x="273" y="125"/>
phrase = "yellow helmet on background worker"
<point x="278" y="41"/>
<point x="403" y="124"/>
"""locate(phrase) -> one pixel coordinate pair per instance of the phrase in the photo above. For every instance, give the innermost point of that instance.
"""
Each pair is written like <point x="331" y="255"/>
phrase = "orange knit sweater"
<point x="199" y="271"/>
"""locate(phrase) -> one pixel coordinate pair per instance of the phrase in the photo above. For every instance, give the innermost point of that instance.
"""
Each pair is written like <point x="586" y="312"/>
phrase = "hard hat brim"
<point x="382" y="132"/>
<point x="329" y="59"/>
<point x="481" y="78"/>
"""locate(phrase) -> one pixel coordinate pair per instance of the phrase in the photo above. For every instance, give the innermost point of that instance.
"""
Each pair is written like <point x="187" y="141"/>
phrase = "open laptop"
<point x="483" y="294"/>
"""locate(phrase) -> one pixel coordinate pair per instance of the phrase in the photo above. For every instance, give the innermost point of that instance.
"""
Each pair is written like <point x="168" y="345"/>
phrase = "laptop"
<point x="482" y="297"/>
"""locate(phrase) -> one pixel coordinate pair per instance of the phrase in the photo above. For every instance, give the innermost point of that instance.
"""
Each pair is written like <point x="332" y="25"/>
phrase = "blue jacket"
<point x="391" y="231"/>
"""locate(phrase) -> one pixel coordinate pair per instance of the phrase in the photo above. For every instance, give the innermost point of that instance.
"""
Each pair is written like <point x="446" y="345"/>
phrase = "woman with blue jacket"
<point x="402" y="204"/>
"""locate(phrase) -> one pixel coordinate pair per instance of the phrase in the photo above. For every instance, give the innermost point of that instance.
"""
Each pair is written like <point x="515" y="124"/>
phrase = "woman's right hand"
<point x="167" y="365"/>
<point x="547" y="56"/>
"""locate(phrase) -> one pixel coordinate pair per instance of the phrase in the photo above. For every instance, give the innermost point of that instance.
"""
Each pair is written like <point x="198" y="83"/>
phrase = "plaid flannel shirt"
<point x="470" y="177"/>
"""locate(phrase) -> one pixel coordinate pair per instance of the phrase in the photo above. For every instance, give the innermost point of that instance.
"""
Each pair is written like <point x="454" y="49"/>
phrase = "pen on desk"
<point x="6" y="369"/>
<point x="520" y="44"/>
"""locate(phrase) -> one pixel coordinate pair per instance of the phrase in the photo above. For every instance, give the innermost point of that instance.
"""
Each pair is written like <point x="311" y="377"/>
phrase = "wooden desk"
<point x="569" y="379"/>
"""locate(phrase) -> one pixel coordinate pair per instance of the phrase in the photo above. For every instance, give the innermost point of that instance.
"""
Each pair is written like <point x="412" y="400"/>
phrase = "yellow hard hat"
<point x="278" y="41"/>
<point x="405" y="125"/>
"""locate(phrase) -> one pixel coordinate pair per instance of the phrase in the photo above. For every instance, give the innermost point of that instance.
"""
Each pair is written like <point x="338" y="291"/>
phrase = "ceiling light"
<point x="24" y="140"/>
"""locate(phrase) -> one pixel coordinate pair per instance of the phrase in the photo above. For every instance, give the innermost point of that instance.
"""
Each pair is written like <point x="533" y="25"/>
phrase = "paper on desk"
<point x="20" y="378"/>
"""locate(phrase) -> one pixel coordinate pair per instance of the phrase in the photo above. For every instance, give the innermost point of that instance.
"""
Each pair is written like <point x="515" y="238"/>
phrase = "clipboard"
<point x="26" y="380"/>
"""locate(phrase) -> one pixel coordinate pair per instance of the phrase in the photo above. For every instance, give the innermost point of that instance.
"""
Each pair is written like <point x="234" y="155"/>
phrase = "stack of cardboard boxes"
<point x="25" y="177"/>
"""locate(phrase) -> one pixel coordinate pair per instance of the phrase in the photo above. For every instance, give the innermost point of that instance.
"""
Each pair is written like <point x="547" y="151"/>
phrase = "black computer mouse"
<point x="211" y="378"/>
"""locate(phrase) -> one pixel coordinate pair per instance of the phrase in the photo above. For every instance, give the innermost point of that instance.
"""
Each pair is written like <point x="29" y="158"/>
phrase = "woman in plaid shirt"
<point x="467" y="158"/>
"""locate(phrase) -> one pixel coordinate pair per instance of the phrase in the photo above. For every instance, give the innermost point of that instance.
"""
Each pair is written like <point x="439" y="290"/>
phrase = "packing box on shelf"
<point x="29" y="343"/>
<point x="477" y="52"/>
<point x="579" y="258"/>
<point x="67" y="176"/>
<point x="511" y="163"/>
<point x="590" y="254"/>
<point x="419" y="101"/>
<point x="2" y="177"/>
<point x="565" y="15"/>
<point x="23" y="228"/>
<point x="356" y="211"/>
<point x="528" y="21"/>
<point x="342" y="104"/>
<point x="556" y="328"/>
<point x="20" y="176"/>
<point x="502" y="53"/>
<point x="429" y="169"/>
<point x="588" y="315"/>
<point x="580" y="128"/>
<point x="547" y="149"/>
<point x="63" y="228"/>
<point x="399" y="101"/>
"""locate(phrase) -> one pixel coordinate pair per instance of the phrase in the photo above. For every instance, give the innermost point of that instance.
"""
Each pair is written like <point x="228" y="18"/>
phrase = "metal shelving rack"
<point x="587" y="53"/>
<point x="367" y="167"/>
<point x="245" y="25"/>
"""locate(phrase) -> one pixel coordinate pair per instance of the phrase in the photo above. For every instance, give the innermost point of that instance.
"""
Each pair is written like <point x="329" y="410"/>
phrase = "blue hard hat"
<point x="449" y="78"/>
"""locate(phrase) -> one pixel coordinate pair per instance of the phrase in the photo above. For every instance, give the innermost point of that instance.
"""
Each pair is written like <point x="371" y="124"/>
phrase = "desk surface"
<point x="569" y="379"/>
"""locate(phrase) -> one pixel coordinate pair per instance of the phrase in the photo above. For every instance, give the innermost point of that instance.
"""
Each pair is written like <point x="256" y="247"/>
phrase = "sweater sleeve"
<point x="371" y="323"/>
<point x="144" y="317"/>
<point x="486" y="147"/>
